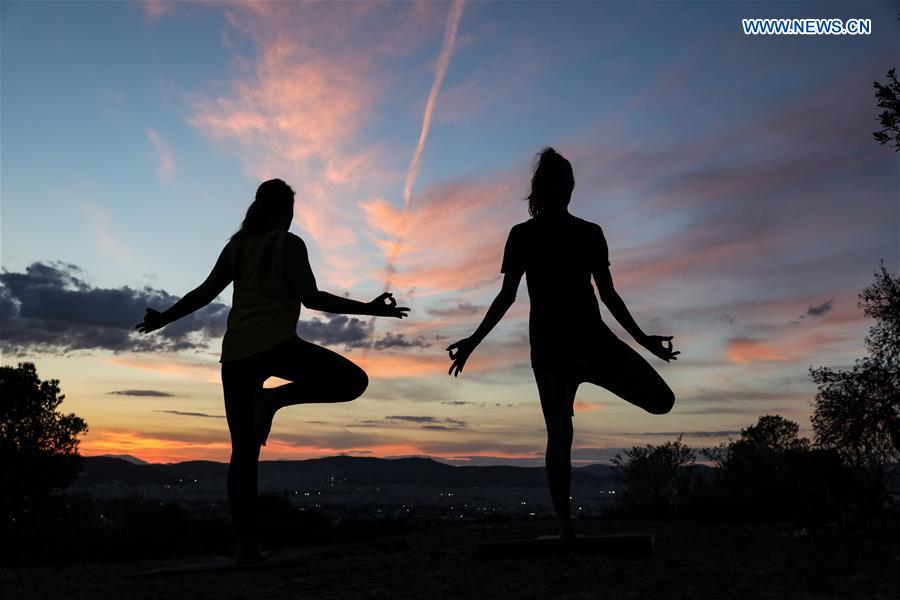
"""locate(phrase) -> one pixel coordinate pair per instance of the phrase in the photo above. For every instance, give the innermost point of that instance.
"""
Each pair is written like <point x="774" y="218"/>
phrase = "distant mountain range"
<point x="126" y="457"/>
<point x="127" y="470"/>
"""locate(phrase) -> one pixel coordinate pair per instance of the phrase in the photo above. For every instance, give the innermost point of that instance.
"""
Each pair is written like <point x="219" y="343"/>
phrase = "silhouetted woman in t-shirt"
<point x="272" y="277"/>
<point x="559" y="253"/>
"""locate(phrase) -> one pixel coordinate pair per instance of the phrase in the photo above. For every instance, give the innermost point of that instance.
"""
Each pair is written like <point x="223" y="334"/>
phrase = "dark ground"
<point x="705" y="561"/>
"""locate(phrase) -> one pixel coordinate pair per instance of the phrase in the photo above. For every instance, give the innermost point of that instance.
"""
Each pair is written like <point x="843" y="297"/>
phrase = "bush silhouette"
<point x="770" y="473"/>
<point x="654" y="479"/>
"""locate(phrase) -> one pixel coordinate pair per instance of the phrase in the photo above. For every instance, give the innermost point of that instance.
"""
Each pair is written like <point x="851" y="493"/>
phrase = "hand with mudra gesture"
<point x="657" y="345"/>
<point x="386" y="306"/>
<point x="153" y="320"/>
<point x="459" y="354"/>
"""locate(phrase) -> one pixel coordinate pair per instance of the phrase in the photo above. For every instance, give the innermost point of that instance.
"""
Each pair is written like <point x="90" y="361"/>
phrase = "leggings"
<point x="315" y="374"/>
<point x="623" y="372"/>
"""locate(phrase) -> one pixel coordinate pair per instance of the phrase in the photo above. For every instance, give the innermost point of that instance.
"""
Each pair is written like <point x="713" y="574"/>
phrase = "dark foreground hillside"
<point x="704" y="561"/>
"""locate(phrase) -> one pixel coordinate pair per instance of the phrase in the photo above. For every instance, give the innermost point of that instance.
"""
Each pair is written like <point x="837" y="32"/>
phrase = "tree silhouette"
<point x="754" y="455"/>
<point x="653" y="477"/>
<point x="38" y="444"/>
<point x="857" y="410"/>
<point x="773" y="433"/>
<point x="888" y="96"/>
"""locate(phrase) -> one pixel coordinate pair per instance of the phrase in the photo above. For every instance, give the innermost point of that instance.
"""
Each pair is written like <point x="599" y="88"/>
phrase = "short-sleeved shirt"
<point x="558" y="255"/>
<point x="265" y="306"/>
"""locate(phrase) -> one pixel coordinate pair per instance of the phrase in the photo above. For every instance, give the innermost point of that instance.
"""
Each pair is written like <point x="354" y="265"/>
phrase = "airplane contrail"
<point x="453" y="18"/>
<point x="412" y="173"/>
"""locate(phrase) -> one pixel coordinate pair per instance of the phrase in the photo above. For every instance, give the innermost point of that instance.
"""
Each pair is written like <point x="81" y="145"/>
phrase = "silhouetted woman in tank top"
<point x="272" y="277"/>
<point x="559" y="253"/>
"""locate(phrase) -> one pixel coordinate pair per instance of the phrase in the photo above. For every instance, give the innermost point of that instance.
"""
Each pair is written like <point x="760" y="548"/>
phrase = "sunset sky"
<point x="736" y="179"/>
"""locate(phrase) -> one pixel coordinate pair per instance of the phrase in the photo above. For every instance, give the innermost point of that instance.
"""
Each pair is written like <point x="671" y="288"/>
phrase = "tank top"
<point x="264" y="309"/>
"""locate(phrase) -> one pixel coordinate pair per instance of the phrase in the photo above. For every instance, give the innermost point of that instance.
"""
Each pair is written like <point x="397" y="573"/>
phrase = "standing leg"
<point x="557" y="392"/>
<point x="316" y="375"/>
<point x="629" y="376"/>
<point x="239" y="382"/>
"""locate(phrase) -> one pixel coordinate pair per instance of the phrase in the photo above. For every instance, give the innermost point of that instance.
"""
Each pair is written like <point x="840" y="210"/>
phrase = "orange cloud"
<point x="153" y="449"/>
<point x="383" y="365"/>
<point x="583" y="406"/>
<point x="745" y="350"/>
<point x="788" y="345"/>
<point x="453" y="239"/>
<point x="284" y="449"/>
<point x="467" y="456"/>
<point x="387" y="366"/>
<point x="208" y="372"/>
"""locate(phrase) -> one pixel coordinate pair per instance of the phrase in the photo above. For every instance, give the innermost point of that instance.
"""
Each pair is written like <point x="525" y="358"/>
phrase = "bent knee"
<point x="355" y="384"/>
<point x="663" y="403"/>
<point x="361" y="383"/>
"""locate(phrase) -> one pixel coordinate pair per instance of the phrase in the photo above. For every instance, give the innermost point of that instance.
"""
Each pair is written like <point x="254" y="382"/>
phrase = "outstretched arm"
<point x="382" y="306"/>
<point x="312" y="297"/>
<point x="197" y="298"/>
<point x="656" y="344"/>
<point x="461" y="350"/>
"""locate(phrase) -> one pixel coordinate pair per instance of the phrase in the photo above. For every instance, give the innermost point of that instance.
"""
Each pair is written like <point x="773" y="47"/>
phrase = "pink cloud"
<point x="156" y="9"/>
<point x="455" y="236"/>
<point x="166" y="157"/>
<point x="745" y="350"/>
<point x="799" y="345"/>
<point x="299" y="108"/>
<point x="103" y="228"/>
<point x="415" y="162"/>
<point x="299" y="112"/>
<point x="386" y="365"/>
<point x="295" y="107"/>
